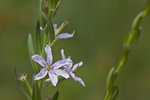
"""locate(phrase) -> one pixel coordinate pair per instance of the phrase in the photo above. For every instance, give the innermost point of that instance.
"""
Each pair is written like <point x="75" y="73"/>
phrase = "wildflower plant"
<point x="40" y="45"/>
<point x="40" y="51"/>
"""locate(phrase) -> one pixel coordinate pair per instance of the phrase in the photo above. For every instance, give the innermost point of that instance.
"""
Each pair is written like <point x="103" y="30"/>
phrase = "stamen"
<point x="48" y="68"/>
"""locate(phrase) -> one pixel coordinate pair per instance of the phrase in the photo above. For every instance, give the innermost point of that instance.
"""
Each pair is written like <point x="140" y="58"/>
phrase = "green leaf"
<point x="30" y="45"/>
<point x="31" y="52"/>
<point x="38" y="38"/>
<point x="36" y="95"/>
<point x="51" y="32"/>
<point x="55" y="97"/>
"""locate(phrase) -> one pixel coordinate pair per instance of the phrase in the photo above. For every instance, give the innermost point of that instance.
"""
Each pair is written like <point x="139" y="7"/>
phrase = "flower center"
<point x="48" y="68"/>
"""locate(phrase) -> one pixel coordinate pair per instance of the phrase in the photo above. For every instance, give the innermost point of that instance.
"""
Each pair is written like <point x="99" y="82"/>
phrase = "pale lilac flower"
<point x="52" y="70"/>
<point x="62" y="35"/>
<point x="71" y="68"/>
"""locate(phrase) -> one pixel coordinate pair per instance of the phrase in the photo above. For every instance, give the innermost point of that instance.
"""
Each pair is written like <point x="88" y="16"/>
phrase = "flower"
<point x="52" y="70"/>
<point x="62" y="35"/>
<point x="70" y="69"/>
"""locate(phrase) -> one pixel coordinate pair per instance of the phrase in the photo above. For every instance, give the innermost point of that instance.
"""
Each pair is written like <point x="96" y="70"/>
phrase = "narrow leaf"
<point x="38" y="37"/>
<point x="55" y="97"/>
<point x="31" y="52"/>
<point x="36" y="95"/>
<point x="51" y="32"/>
<point x="30" y="45"/>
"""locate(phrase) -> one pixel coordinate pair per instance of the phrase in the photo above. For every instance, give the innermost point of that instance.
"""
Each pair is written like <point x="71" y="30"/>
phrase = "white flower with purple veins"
<point x="52" y="70"/>
<point x="71" y="68"/>
<point x="62" y="35"/>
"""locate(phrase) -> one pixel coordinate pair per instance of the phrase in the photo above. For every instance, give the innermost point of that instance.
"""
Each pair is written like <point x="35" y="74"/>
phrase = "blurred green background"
<point x="101" y="27"/>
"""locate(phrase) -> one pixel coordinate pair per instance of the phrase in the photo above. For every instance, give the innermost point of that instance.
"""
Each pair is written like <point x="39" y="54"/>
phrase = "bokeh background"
<point x="101" y="27"/>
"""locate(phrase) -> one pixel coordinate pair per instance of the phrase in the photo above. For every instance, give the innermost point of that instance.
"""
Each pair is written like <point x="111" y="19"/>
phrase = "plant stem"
<point x="111" y="91"/>
<point x="26" y="84"/>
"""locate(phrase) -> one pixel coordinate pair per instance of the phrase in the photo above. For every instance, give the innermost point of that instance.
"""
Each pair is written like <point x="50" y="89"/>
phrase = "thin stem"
<point x="28" y="87"/>
<point x="131" y="39"/>
<point x="26" y="84"/>
<point x="107" y="96"/>
<point x="53" y="42"/>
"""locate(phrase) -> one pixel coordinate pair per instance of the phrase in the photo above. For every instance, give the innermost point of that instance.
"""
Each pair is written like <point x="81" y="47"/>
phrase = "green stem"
<point x="28" y="87"/>
<point x="53" y="42"/>
<point x="26" y="84"/>
<point x="131" y="39"/>
<point x="107" y="96"/>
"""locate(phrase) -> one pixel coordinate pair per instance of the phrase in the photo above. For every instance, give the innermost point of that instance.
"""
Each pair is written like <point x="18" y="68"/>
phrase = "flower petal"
<point x="62" y="73"/>
<point x="53" y="78"/>
<point x="77" y="79"/>
<point x="69" y="66"/>
<point x="55" y="27"/>
<point x="65" y="35"/>
<point x="61" y="63"/>
<point x="39" y="60"/>
<point x="77" y="65"/>
<point x="49" y="54"/>
<point x="41" y="74"/>
<point x="62" y="54"/>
